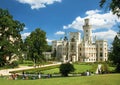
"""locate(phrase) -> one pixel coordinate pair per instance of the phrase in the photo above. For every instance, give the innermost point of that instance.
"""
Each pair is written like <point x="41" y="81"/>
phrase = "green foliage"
<point x="35" y="45"/>
<point x="113" y="5"/>
<point x="10" y="38"/>
<point x="105" y="68"/>
<point x="117" y="68"/>
<point x="66" y="68"/>
<point x="28" y="62"/>
<point x="14" y="64"/>
<point x="48" y="48"/>
<point x="115" y="53"/>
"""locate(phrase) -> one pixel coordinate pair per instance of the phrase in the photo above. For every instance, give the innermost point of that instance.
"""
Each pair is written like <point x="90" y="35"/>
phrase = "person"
<point x="23" y="75"/>
<point x="99" y="71"/>
<point x="39" y="75"/>
<point x="88" y="73"/>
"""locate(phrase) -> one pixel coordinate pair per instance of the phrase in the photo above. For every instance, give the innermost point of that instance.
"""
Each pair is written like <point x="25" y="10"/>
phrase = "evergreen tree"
<point x="10" y="37"/>
<point x="115" y="53"/>
<point x="36" y="44"/>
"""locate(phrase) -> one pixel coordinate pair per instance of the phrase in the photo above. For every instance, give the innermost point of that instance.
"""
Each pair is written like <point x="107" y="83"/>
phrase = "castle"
<point x="83" y="50"/>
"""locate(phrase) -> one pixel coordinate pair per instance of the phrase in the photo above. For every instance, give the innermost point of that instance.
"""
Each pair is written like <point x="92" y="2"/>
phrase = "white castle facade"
<point x="83" y="50"/>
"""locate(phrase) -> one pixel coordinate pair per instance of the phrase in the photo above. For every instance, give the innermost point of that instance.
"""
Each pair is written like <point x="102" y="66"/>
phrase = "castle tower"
<point x="87" y="31"/>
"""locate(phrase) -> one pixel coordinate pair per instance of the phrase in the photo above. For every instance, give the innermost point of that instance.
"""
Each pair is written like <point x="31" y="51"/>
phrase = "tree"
<point x="66" y="68"/>
<point x="10" y="37"/>
<point x="113" y="5"/>
<point x="48" y="48"/>
<point x="36" y="44"/>
<point x="115" y="53"/>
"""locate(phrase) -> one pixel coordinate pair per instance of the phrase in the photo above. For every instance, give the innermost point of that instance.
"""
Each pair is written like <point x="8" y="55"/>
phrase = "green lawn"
<point x="109" y="79"/>
<point x="51" y="71"/>
<point x="79" y="68"/>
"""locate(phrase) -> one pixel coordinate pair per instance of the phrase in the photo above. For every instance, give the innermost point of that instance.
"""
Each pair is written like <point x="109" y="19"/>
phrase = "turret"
<point x="87" y="31"/>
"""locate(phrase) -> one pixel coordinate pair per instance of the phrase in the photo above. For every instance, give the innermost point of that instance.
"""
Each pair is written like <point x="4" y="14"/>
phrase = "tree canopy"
<point x="36" y="44"/>
<point x="66" y="68"/>
<point x="115" y="53"/>
<point x="10" y="37"/>
<point x="113" y="5"/>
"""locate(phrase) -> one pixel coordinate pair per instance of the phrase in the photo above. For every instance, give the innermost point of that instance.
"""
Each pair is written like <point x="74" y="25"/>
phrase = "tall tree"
<point x="36" y="44"/>
<point x="115" y="53"/>
<point x="113" y="5"/>
<point x="10" y="38"/>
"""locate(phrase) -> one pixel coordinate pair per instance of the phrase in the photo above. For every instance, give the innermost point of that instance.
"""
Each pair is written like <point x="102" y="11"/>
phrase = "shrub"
<point x="28" y="62"/>
<point x="105" y="68"/>
<point x="66" y="68"/>
<point x="13" y="64"/>
<point x="117" y="68"/>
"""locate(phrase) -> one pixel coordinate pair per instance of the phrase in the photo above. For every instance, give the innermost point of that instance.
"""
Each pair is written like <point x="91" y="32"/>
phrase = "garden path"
<point x="7" y="71"/>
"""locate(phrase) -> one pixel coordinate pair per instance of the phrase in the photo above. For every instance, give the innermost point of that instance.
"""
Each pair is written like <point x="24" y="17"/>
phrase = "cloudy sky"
<point x="59" y="17"/>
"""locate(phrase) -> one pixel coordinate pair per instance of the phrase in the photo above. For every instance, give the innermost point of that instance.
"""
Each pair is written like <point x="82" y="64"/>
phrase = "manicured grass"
<point x="108" y="79"/>
<point x="79" y="68"/>
<point x="51" y="71"/>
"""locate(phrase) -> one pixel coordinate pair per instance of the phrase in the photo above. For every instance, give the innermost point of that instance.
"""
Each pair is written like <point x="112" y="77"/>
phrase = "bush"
<point x="13" y="64"/>
<point x="105" y="68"/>
<point x="117" y="68"/>
<point x="28" y="62"/>
<point x="66" y="68"/>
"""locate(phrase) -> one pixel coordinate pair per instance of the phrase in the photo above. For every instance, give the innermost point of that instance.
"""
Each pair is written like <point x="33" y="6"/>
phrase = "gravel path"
<point x="6" y="71"/>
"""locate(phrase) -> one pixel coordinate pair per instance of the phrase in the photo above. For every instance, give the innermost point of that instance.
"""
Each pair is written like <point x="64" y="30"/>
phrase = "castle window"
<point x="72" y="47"/>
<point x="100" y="49"/>
<point x="80" y="48"/>
<point x="86" y="30"/>
<point x="101" y="54"/>
<point x="73" y="40"/>
<point x="80" y="54"/>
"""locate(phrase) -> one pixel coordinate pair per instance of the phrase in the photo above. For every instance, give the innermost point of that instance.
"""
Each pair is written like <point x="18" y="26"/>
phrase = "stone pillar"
<point x="64" y="58"/>
<point x="73" y="58"/>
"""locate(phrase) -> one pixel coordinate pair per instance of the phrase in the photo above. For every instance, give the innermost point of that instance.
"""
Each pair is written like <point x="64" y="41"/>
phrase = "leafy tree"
<point x="10" y="37"/>
<point x="48" y="48"/>
<point x="115" y="53"/>
<point x="36" y="44"/>
<point x="66" y="68"/>
<point x="113" y="5"/>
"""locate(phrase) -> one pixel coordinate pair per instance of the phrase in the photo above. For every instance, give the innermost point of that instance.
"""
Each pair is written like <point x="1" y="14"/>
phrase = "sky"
<point x="59" y="17"/>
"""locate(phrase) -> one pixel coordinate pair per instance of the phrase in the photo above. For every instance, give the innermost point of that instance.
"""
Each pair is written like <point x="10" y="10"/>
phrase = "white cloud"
<point x="24" y="35"/>
<point x="97" y="20"/>
<point x="91" y="12"/>
<point x="76" y="24"/>
<point x="36" y="4"/>
<point x="49" y="41"/>
<point x="59" y="33"/>
<point x="25" y="28"/>
<point x="105" y="35"/>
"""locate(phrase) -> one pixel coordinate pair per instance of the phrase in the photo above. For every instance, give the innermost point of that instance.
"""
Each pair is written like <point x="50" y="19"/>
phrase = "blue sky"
<point x="56" y="17"/>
